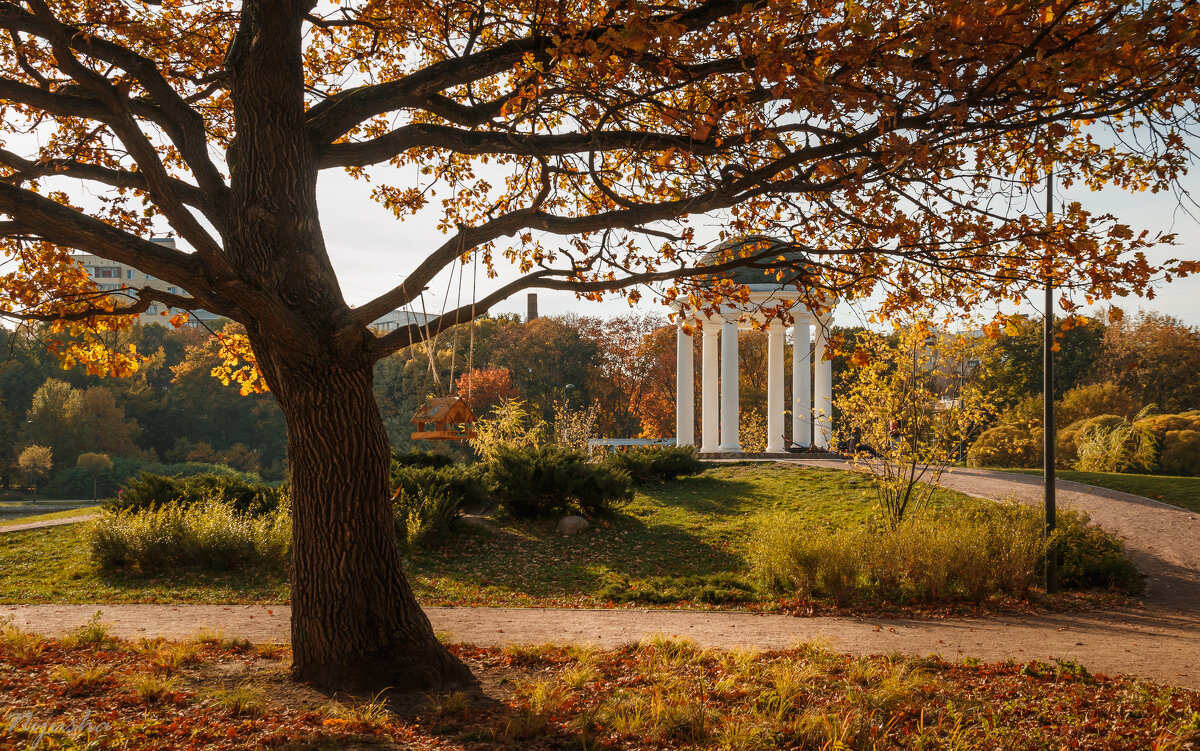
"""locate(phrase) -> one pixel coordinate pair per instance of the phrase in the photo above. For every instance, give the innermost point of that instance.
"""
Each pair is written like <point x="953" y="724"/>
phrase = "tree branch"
<point x="559" y="279"/>
<point x="184" y="125"/>
<point x="421" y="135"/>
<point x="64" y="226"/>
<point x="334" y="117"/>
<point x="143" y="298"/>
<point x="26" y="169"/>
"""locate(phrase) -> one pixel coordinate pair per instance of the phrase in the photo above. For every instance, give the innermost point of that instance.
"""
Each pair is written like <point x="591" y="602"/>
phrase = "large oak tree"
<point x="580" y="144"/>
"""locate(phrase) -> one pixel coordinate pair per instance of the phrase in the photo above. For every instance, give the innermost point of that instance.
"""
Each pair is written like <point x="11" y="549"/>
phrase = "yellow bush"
<point x="1181" y="452"/>
<point x="1007" y="446"/>
<point x="1093" y="400"/>
<point x="752" y="431"/>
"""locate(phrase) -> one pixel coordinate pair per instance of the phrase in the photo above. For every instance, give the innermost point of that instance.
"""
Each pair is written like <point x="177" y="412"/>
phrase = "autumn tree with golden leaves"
<point x="581" y="145"/>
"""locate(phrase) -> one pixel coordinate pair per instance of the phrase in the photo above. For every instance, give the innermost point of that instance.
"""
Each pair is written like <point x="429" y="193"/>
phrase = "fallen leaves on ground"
<point x="95" y="691"/>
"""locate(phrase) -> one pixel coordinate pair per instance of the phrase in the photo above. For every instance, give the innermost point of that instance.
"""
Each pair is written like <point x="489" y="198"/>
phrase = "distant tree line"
<point x="173" y="411"/>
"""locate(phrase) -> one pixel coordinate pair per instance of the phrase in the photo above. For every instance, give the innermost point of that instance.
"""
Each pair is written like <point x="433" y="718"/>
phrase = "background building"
<point x="111" y="276"/>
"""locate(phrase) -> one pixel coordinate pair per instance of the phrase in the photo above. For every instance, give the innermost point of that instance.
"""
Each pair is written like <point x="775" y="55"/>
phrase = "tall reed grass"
<point x="209" y="534"/>
<point x="966" y="554"/>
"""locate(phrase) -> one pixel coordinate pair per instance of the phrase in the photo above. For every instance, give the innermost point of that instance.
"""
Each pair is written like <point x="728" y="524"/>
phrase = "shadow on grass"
<point x="624" y="552"/>
<point x="701" y="493"/>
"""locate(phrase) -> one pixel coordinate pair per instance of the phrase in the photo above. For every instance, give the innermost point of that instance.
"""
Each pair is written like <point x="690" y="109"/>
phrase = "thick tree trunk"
<point x="355" y="622"/>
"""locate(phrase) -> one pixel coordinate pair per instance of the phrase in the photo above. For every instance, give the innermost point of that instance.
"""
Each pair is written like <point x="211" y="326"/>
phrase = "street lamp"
<point x="29" y="474"/>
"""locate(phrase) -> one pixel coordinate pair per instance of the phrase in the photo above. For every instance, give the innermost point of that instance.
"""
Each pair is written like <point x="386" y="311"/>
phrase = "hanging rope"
<point x="429" y="348"/>
<point x="471" y="345"/>
<point x="457" y="305"/>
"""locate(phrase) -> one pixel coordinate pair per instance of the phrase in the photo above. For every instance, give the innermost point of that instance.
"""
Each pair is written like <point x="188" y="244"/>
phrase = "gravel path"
<point x="1159" y="641"/>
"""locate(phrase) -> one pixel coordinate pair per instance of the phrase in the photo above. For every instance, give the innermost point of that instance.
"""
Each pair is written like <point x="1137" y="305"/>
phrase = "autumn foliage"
<point x="587" y="147"/>
<point x="485" y="388"/>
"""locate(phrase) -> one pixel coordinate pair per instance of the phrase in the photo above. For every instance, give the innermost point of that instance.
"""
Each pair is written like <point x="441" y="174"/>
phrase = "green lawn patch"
<point x="52" y="565"/>
<point x="682" y="543"/>
<point x="1177" y="491"/>
<point x="85" y="511"/>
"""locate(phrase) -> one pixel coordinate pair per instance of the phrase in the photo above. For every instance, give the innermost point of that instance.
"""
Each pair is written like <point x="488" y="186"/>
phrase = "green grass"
<point x="47" y="517"/>
<point x="684" y="540"/>
<point x="1178" y="491"/>
<point x="53" y="565"/>
<point x="679" y="541"/>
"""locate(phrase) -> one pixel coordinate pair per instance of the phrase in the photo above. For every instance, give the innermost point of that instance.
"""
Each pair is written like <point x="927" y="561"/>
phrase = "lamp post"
<point x="29" y="474"/>
<point x="1048" y="401"/>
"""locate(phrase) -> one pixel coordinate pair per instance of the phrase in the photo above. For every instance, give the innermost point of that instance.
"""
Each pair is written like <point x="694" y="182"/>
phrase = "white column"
<point x="801" y="383"/>
<point x="729" y="387"/>
<point x="823" y="388"/>
<point x="685" y="415"/>
<point x="710" y="422"/>
<point x="775" y="386"/>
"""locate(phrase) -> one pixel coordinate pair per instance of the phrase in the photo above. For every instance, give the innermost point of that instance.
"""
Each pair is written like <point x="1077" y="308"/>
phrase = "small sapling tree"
<point x="95" y="464"/>
<point x="907" y="409"/>
<point x="35" y="461"/>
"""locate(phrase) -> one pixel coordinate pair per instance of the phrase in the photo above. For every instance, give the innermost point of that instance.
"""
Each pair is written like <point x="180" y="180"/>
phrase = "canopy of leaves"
<point x="891" y="143"/>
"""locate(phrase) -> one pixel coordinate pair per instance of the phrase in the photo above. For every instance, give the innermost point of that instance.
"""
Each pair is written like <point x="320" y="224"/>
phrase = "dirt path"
<point x="1161" y="649"/>
<point x="47" y="523"/>
<point x="1159" y="641"/>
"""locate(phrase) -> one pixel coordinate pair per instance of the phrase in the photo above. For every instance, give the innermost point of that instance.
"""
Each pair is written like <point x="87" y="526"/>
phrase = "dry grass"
<point x="661" y="694"/>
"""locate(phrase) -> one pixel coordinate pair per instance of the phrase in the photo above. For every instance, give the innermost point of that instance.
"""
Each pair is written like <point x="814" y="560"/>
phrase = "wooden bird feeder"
<point x="446" y="418"/>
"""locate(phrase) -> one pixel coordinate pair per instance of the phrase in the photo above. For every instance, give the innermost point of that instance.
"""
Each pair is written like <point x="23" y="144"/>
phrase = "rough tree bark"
<point x="355" y="622"/>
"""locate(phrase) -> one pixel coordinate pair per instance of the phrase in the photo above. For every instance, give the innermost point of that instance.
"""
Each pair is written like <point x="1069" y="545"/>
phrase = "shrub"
<point x="1091" y="558"/>
<point x="148" y="491"/>
<point x="1066" y="443"/>
<point x="1007" y="446"/>
<point x="652" y="464"/>
<point x="1180" y="452"/>
<point x="551" y="480"/>
<point x="418" y="458"/>
<point x="511" y="426"/>
<point x="464" y="484"/>
<point x="752" y="431"/>
<point x="1160" y="425"/>
<point x="209" y="534"/>
<point x="1093" y="400"/>
<point x="966" y="554"/>
<point x="76" y="482"/>
<point x="424" y="515"/>
<point x="1113" y="444"/>
<point x="1027" y="412"/>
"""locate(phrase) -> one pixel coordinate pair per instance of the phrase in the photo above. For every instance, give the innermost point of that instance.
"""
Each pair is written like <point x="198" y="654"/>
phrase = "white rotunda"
<point x="812" y="387"/>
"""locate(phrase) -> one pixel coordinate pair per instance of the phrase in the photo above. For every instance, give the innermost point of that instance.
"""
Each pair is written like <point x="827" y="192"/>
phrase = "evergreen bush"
<point x="1180" y="452"/>
<point x="550" y="480"/>
<point x="419" y="458"/>
<point x="656" y="464"/>
<point x="76" y="482"/>
<point x="148" y="490"/>
<point x="1178" y="441"/>
<point x="465" y="484"/>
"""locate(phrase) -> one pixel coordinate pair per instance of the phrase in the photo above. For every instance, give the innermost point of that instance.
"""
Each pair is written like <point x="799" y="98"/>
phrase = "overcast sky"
<point x="371" y="250"/>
